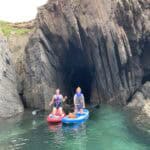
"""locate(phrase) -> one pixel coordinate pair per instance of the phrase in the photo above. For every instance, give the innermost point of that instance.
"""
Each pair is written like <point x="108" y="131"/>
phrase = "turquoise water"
<point x="108" y="128"/>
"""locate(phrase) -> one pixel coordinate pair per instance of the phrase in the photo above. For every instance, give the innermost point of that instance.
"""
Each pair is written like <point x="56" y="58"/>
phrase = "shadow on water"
<point x="107" y="128"/>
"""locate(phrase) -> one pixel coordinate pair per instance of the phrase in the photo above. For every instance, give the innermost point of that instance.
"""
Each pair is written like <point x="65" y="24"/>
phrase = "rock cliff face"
<point x="10" y="103"/>
<point x="17" y="44"/>
<point x="99" y="45"/>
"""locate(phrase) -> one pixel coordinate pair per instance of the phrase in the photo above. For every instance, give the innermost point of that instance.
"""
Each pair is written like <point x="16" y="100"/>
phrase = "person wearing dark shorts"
<point x="79" y="101"/>
<point x="57" y="101"/>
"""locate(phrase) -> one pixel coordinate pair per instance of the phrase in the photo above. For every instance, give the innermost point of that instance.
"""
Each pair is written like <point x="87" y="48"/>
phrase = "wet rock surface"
<point x="94" y="44"/>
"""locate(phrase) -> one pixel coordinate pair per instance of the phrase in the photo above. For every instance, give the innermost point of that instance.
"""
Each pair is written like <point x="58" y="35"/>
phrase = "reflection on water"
<point x="76" y="137"/>
<point x="107" y="128"/>
<point x="65" y="134"/>
<point x="55" y="127"/>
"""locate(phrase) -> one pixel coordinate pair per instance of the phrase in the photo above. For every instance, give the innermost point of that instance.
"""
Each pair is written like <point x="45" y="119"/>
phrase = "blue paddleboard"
<point x="79" y="118"/>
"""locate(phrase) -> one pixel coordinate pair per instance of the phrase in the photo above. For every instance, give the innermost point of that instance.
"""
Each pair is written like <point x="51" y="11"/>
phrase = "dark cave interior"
<point x="78" y="73"/>
<point x="145" y="61"/>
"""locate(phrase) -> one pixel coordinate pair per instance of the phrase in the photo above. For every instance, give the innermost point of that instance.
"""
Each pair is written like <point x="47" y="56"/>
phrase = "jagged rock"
<point x="141" y="97"/>
<point x="95" y="44"/>
<point x="146" y="109"/>
<point x="10" y="103"/>
<point x="142" y="118"/>
<point x="140" y="103"/>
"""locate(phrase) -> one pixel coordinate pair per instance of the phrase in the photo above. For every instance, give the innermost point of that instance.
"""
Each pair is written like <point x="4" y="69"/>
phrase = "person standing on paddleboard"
<point x="79" y="101"/>
<point x="57" y="101"/>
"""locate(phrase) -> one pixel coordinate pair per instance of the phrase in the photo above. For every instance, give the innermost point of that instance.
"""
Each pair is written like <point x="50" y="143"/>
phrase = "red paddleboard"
<point x="55" y="118"/>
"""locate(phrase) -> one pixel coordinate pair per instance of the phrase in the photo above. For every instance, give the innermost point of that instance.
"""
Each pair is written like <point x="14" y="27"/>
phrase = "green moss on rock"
<point x="8" y="29"/>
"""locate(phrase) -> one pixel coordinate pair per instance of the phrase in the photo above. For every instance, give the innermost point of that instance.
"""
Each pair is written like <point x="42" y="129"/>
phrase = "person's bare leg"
<point x="81" y="111"/>
<point x="60" y="111"/>
<point x="54" y="111"/>
<point x="76" y="110"/>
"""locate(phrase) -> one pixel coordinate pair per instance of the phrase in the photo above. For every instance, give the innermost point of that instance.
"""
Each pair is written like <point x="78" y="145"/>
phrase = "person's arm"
<point x="74" y="100"/>
<point x="64" y="98"/>
<point x="83" y="101"/>
<point x="52" y="101"/>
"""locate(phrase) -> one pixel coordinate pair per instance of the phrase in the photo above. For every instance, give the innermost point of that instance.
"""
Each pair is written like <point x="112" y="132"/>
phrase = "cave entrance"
<point x="145" y="61"/>
<point x="78" y="72"/>
<point x="81" y="77"/>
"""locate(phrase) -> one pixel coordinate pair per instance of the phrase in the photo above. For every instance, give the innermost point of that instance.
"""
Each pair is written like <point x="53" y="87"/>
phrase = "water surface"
<point x="109" y="128"/>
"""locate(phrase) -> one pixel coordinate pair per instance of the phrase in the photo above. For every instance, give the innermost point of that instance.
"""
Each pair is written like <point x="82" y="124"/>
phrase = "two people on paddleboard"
<point x="58" y="99"/>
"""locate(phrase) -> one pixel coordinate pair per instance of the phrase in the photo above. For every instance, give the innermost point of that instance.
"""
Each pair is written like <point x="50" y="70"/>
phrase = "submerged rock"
<point x="10" y="103"/>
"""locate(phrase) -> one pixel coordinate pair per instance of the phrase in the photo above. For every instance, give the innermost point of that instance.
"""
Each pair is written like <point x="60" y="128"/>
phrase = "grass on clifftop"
<point x="7" y="29"/>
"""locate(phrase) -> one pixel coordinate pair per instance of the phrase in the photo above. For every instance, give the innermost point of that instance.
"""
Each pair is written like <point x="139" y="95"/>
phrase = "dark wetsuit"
<point x="58" y="101"/>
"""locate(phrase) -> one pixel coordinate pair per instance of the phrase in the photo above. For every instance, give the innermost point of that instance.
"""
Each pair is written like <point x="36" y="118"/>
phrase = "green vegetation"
<point x="8" y="29"/>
